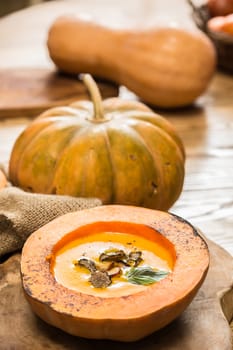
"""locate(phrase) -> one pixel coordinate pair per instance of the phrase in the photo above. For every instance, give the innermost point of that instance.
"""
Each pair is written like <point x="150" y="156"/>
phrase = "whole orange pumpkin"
<point x="119" y="151"/>
<point x="221" y="24"/>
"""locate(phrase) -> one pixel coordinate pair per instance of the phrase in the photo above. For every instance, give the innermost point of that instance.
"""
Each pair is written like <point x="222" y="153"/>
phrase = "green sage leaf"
<point x="145" y="275"/>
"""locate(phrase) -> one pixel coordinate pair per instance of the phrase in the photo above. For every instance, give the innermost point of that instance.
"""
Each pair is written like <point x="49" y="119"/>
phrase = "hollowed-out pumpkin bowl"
<point x="124" y="310"/>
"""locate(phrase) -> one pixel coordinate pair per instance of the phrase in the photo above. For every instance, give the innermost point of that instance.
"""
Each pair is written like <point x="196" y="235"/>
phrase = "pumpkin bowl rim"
<point x="180" y="286"/>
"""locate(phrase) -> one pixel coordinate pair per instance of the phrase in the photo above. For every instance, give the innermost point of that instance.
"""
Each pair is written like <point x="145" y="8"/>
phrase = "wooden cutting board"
<point x="29" y="91"/>
<point x="202" y="326"/>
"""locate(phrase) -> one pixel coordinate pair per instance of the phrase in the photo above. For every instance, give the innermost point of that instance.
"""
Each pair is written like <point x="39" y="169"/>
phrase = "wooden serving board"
<point x="29" y="91"/>
<point x="204" y="325"/>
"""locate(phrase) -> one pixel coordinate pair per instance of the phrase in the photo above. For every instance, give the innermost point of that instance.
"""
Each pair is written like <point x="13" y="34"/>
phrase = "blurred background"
<point x="9" y="6"/>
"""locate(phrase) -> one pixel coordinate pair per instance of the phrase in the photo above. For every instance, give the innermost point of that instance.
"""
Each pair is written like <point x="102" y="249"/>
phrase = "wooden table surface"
<point x="206" y="128"/>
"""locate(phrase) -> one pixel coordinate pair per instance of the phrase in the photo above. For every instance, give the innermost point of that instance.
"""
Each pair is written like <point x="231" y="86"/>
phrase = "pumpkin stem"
<point x="96" y="98"/>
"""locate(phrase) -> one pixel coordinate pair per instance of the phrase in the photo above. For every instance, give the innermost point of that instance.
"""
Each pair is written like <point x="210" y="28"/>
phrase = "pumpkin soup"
<point x="103" y="262"/>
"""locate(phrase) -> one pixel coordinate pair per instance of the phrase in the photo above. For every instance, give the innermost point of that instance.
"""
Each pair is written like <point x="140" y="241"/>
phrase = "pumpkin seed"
<point x="113" y="255"/>
<point x="114" y="271"/>
<point x="135" y="257"/>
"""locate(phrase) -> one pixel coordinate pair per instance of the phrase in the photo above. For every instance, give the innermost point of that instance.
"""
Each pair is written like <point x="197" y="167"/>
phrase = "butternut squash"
<point x="166" y="67"/>
<point x="103" y="313"/>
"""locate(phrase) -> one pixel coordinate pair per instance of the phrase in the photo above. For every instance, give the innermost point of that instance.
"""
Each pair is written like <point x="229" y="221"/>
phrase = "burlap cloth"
<point x="22" y="213"/>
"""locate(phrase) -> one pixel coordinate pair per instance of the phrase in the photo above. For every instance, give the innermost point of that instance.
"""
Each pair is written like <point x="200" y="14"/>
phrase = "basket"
<point x="222" y="42"/>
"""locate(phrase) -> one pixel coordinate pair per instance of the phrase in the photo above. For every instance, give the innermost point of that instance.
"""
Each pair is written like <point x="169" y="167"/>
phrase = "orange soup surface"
<point x="75" y="277"/>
